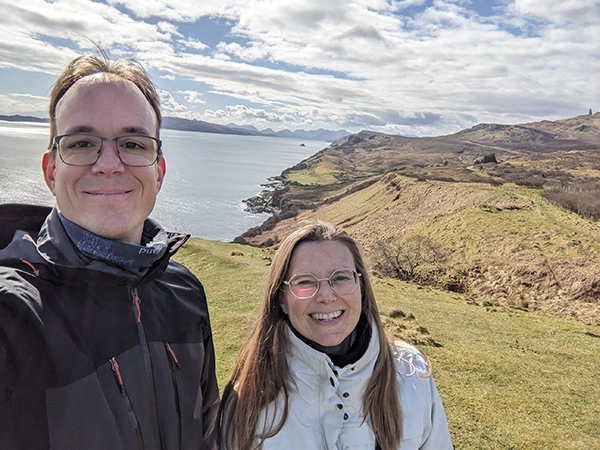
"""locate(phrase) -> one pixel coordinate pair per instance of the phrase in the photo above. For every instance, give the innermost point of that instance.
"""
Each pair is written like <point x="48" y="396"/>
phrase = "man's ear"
<point x="49" y="169"/>
<point x="161" y="169"/>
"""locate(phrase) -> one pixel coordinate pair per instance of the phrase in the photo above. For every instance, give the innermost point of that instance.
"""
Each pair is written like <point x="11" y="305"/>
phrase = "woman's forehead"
<point x="320" y="256"/>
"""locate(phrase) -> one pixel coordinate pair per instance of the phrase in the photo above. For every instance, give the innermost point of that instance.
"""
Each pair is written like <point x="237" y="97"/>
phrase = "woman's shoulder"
<point x="409" y="360"/>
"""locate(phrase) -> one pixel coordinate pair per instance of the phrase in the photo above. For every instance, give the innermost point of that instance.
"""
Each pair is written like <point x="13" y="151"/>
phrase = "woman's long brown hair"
<point x="261" y="372"/>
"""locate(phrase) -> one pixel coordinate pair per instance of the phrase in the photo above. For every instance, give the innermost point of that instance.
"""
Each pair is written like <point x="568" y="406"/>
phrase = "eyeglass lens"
<point x="84" y="150"/>
<point x="342" y="282"/>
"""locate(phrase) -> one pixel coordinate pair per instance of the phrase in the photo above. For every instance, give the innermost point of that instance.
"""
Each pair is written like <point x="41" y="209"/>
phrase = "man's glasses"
<point x="85" y="149"/>
<point x="306" y="285"/>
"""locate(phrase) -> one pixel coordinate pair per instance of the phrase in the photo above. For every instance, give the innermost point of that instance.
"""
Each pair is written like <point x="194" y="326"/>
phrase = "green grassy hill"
<point x="505" y="290"/>
<point x="509" y="378"/>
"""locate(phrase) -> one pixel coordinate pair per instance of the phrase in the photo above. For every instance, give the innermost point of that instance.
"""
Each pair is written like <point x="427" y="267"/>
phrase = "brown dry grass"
<point x="505" y="243"/>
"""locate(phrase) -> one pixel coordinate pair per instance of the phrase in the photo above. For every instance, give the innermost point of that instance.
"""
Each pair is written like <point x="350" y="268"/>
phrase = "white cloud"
<point x="29" y="28"/>
<point x="177" y="10"/>
<point x="192" y="97"/>
<point x="412" y="66"/>
<point x="23" y="104"/>
<point x="169" y="106"/>
<point x="564" y="12"/>
<point x="250" y="53"/>
<point x="30" y="97"/>
<point x="194" y="44"/>
<point x="169" y="28"/>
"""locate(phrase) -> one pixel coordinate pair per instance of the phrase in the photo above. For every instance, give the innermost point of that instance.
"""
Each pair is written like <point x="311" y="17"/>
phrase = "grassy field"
<point x="509" y="379"/>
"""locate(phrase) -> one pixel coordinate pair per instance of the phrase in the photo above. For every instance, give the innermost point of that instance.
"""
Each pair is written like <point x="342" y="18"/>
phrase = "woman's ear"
<point x="283" y="304"/>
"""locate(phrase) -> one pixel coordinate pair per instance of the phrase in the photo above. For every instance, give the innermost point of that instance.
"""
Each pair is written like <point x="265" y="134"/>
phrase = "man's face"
<point x="107" y="198"/>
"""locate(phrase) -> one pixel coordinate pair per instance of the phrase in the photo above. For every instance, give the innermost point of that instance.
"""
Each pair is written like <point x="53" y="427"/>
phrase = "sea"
<point x="208" y="175"/>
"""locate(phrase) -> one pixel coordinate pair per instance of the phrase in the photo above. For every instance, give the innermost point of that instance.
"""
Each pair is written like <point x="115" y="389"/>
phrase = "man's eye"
<point x="82" y="144"/>
<point x="133" y="144"/>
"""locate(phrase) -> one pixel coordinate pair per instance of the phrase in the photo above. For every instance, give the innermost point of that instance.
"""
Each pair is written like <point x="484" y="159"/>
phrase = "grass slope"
<point x="511" y="375"/>
<point x="509" y="379"/>
<point x="505" y="244"/>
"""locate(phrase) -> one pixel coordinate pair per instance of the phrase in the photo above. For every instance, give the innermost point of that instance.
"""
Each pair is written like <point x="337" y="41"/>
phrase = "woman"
<point x="319" y="371"/>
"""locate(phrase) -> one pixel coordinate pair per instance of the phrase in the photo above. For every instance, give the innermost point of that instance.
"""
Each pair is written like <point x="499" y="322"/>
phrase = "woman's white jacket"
<point x="325" y="405"/>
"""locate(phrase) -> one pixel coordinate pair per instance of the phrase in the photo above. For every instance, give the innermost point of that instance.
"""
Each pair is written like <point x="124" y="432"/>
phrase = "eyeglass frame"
<point x="357" y="277"/>
<point x="56" y="146"/>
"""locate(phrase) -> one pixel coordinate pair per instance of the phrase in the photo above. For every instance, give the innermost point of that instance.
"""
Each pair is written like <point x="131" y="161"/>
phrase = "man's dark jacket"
<point x="94" y="357"/>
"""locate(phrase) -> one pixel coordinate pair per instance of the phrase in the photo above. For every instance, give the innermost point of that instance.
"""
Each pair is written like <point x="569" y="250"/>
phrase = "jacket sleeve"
<point x="210" y="392"/>
<point x="185" y="316"/>
<point x="24" y="365"/>
<point x="6" y="373"/>
<point x="439" y="435"/>
<point x="424" y="413"/>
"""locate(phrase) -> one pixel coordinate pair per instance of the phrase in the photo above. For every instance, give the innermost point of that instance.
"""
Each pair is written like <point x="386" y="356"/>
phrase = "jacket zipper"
<point x="132" y="416"/>
<point x="146" y="360"/>
<point x="175" y="366"/>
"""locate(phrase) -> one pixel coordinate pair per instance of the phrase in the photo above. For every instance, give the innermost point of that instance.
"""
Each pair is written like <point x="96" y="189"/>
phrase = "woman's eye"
<point x="341" y="278"/>
<point x="305" y="282"/>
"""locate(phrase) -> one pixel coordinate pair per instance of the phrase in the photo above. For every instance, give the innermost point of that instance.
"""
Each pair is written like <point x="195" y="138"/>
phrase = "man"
<point x="104" y="342"/>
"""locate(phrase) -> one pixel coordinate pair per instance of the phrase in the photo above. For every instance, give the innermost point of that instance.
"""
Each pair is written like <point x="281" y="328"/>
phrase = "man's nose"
<point x="109" y="158"/>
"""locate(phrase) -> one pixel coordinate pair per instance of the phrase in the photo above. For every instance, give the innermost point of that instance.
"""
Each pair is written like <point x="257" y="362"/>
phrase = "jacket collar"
<point x="315" y="378"/>
<point x="42" y="240"/>
<point x="302" y="354"/>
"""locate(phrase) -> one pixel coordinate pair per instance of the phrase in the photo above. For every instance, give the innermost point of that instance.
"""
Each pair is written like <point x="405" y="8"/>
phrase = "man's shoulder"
<point x="14" y="216"/>
<point x="17" y="294"/>
<point x="177" y="274"/>
<point x="178" y="269"/>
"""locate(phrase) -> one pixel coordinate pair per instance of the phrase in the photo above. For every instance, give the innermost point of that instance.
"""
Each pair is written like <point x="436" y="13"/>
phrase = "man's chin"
<point x="116" y="228"/>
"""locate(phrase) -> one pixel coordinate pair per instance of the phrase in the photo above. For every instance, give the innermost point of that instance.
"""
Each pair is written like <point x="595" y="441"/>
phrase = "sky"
<point x="409" y="67"/>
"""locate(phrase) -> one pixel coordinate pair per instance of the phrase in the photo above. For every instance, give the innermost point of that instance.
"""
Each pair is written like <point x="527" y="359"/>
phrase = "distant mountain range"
<point x="319" y="135"/>
<point x="176" y="123"/>
<point x="18" y="118"/>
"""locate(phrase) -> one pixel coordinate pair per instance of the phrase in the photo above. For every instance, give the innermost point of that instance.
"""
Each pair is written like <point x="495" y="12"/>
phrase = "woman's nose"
<point x="325" y="293"/>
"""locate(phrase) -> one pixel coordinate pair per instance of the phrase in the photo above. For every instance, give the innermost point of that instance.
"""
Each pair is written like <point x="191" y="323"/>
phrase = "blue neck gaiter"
<point x="133" y="258"/>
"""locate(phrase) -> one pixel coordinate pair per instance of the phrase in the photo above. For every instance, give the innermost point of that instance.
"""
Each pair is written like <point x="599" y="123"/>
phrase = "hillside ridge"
<point x="503" y="241"/>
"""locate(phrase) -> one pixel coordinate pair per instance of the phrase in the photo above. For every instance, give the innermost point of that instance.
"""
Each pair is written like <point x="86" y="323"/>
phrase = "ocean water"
<point x="208" y="175"/>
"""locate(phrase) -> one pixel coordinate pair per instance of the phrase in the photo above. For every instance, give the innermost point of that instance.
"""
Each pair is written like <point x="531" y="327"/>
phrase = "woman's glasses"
<point x="306" y="285"/>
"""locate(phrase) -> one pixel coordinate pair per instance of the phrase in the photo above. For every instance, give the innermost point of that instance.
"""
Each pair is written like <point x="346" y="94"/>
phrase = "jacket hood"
<point x="14" y="216"/>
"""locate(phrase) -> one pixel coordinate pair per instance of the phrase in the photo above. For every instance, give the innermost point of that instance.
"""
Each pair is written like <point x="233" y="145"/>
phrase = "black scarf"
<point x="350" y="349"/>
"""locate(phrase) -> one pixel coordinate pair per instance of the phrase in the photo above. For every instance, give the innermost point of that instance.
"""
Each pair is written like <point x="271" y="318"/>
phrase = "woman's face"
<point x="327" y="318"/>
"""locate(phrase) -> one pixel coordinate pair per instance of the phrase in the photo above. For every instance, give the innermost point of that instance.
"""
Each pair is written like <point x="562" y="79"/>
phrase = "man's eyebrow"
<point x="87" y="129"/>
<point x="136" y="130"/>
<point x="80" y="129"/>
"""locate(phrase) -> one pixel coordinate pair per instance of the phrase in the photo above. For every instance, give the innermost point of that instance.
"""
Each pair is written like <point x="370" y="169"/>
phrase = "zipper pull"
<point x="136" y="305"/>
<point x="173" y="355"/>
<point x="31" y="266"/>
<point x="119" y="378"/>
